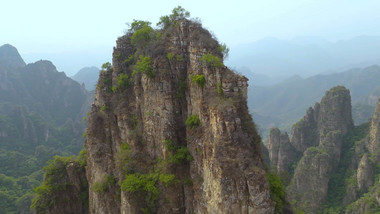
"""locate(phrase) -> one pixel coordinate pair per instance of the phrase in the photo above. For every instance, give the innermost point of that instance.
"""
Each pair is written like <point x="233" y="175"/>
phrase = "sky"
<point x="74" y="34"/>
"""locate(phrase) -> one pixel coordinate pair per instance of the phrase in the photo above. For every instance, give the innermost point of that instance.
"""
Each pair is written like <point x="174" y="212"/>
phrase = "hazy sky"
<point x="51" y="28"/>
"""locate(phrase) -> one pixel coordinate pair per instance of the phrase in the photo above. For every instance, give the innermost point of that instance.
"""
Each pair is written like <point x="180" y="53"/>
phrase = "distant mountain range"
<point x="305" y="56"/>
<point x="284" y="103"/>
<point x="87" y="76"/>
<point x="41" y="112"/>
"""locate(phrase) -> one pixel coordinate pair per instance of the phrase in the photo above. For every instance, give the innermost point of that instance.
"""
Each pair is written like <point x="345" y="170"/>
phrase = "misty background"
<point x="270" y="37"/>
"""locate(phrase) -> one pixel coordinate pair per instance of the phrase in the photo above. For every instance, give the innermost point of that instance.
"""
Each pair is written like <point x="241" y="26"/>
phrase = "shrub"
<point x="192" y="121"/>
<point x="123" y="82"/>
<point x="224" y="50"/>
<point x="104" y="108"/>
<point x="106" y="66"/>
<point x="170" y="56"/>
<point x="170" y="146"/>
<point x="178" y="155"/>
<point x="181" y="156"/>
<point x="144" y="65"/>
<point x="167" y="179"/>
<point x="137" y="25"/>
<point x="277" y="191"/>
<point x="179" y="58"/>
<point x="199" y="79"/>
<point x="107" y="182"/>
<point x="142" y="36"/>
<point x="178" y="13"/>
<point x="122" y="158"/>
<point x="210" y="60"/>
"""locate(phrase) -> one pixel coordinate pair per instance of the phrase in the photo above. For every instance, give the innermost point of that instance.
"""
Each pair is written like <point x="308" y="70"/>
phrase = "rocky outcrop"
<point x="374" y="135"/>
<point x="65" y="188"/>
<point x="364" y="175"/>
<point x="181" y="117"/>
<point x="320" y="134"/>
<point x="282" y="154"/>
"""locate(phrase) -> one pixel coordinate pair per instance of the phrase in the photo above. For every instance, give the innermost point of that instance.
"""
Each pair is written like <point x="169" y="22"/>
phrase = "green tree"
<point x="178" y="13"/>
<point x="137" y="25"/>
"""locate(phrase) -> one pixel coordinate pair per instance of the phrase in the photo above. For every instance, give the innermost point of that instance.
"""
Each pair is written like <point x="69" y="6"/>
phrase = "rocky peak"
<point x="10" y="58"/>
<point x="180" y="118"/>
<point x="335" y="111"/>
<point x="281" y="153"/>
<point x="319" y="136"/>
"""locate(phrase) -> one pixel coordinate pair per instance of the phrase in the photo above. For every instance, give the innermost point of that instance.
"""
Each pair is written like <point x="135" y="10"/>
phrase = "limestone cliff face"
<point x="325" y="126"/>
<point x="281" y="153"/>
<point x="374" y="135"/>
<point x="138" y="130"/>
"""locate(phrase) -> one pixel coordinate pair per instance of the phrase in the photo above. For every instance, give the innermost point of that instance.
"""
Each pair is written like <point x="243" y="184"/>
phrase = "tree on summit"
<point x="178" y="13"/>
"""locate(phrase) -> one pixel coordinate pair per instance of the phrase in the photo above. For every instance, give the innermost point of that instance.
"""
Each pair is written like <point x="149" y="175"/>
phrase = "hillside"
<point x="328" y="164"/>
<point x="282" y="104"/>
<point x="41" y="113"/>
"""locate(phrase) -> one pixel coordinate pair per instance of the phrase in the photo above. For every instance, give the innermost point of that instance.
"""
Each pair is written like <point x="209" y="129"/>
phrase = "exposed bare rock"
<point x="364" y="174"/>
<point x="281" y="153"/>
<point x="309" y="185"/>
<point x="145" y="123"/>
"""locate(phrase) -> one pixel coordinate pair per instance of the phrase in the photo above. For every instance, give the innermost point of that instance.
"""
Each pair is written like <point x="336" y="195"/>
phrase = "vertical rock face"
<point x="364" y="174"/>
<point x="138" y="131"/>
<point x="374" y="135"/>
<point x="281" y="153"/>
<point x="324" y="127"/>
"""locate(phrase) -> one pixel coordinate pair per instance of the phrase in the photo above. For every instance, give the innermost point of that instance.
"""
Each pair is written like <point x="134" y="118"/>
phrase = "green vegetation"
<point x="123" y="82"/>
<point x="178" y="155"/>
<point x="342" y="178"/>
<point x="55" y="179"/>
<point x="137" y="25"/>
<point x="199" y="79"/>
<point x="167" y="179"/>
<point x="219" y="88"/>
<point x="181" y="156"/>
<point x="142" y="36"/>
<point x="147" y="184"/>
<point x="192" y="121"/>
<point x="144" y="65"/>
<point x="211" y="61"/>
<point x="277" y="191"/>
<point x="178" y="13"/>
<point x="106" y="183"/>
<point x="104" y="108"/>
<point x="122" y="158"/>
<point x="170" y="56"/>
<point x="106" y="66"/>
<point x="224" y="50"/>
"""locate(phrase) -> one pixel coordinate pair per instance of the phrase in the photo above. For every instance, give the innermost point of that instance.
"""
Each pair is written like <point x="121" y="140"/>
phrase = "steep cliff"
<point x="363" y="196"/>
<point x="170" y="128"/>
<point x="309" y="185"/>
<point x="338" y="170"/>
<point x="282" y="154"/>
<point x="317" y="139"/>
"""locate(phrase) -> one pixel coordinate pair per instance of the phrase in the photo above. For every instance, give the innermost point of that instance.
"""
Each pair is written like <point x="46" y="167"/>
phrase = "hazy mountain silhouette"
<point x="87" y="76"/>
<point x="305" y="56"/>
